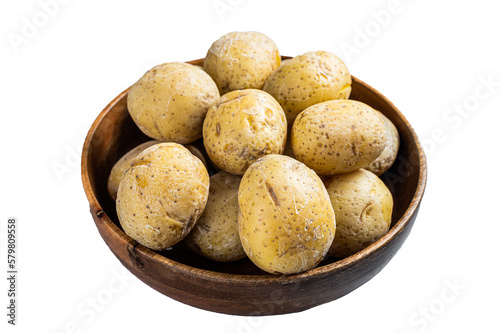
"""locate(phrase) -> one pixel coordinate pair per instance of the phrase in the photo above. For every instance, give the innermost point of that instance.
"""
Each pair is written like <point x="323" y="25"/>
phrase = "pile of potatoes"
<point x="289" y="170"/>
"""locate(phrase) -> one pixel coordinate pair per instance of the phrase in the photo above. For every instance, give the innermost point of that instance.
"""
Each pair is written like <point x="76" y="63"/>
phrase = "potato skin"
<point x="241" y="60"/>
<point x="170" y="101"/>
<point x="162" y="195"/>
<point x="116" y="174"/>
<point x="308" y="79"/>
<point x="363" y="209"/>
<point x="390" y="153"/>
<point x="242" y="127"/>
<point x="286" y="221"/>
<point x="215" y="235"/>
<point x="338" y="136"/>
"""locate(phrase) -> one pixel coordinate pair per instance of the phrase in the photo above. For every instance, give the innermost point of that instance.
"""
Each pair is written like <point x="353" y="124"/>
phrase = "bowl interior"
<point x="115" y="133"/>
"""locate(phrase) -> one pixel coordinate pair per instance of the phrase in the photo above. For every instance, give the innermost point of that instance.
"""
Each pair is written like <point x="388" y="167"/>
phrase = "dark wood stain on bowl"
<point x="240" y="287"/>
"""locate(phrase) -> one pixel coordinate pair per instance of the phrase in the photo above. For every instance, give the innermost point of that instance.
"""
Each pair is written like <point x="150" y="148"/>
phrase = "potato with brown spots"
<point x="389" y="154"/>
<point x="242" y="127"/>
<point x="286" y="221"/>
<point x="162" y="195"/>
<point x="116" y="174"/>
<point x="170" y="101"/>
<point x="308" y="79"/>
<point x="215" y="235"/>
<point x="338" y="136"/>
<point x="119" y="168"/>
<point x="241" y="60"/>
<point x="363" y="209"/>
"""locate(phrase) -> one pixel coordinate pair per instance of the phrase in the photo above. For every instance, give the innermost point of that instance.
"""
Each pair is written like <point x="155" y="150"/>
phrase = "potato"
<point x="241" y="60"/>
<point x="338" y="136"/>
<point x="170" y="101"/>
<point x="308" y="79"/>
<point x="243" y="126"/>
<point x="215" y="235"/>
<point x="162" y="195"/>
<point x="286" y="221"/>
<point x="363" y="209"/>
<point x="116" y="174"/>
<point x="390" y="152"/>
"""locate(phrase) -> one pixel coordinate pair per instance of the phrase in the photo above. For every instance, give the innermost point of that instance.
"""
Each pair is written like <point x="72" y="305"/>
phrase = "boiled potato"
<point x="162" y="195"/>
<point x="286" y="221"/>
<point x="338" y="136"/>
<point x="390" y="152"/>
<point x="116" y="174"/>
<point x="170" y="101"/>
<point x="215" y="235"/>
<point x="241" y="60"/>
<point x="243" y="126"/>
<point x="308" y="79"/>
<point x="363" y="209"/>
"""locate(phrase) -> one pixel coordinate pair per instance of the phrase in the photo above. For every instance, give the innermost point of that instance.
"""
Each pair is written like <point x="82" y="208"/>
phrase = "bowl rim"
<point x="200" y="273"/>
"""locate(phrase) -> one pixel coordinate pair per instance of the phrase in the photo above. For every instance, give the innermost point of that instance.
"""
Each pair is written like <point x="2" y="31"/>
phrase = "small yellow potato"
<point x="363" y="209"/>
<point x="390" y="152"/>
<point x="162" y="195"/>
<point x="308" y="79"/>
<point x="116" y="174"/>
<point x="170" y="101"/>
<point x="338" y="136"/>
<point x="241" y="60"/>
<point x="286" y="221"/>
<point x="242" y="127"/>
<point x="215" y="235"/>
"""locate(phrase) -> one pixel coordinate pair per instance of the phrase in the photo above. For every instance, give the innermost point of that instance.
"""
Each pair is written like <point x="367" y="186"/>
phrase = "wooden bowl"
<point x="241" y="288"/>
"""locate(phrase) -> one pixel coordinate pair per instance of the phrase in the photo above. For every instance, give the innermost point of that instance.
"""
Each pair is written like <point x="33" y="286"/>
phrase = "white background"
<point x="431" y="58"/>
